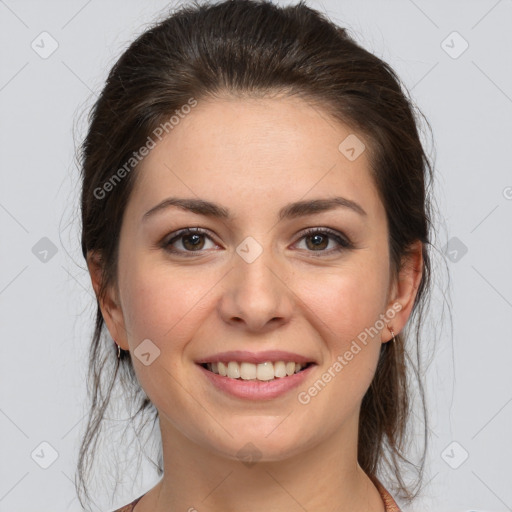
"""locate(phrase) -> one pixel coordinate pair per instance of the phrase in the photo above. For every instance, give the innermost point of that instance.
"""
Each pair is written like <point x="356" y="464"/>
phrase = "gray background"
<point x="46" y="300"/>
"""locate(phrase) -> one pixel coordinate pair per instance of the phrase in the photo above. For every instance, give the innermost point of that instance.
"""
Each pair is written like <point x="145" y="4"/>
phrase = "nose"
<point x="256" y="296"/>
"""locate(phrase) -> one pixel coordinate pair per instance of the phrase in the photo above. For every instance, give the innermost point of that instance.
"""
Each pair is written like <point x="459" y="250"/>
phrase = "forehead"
<point x="255" y="151"/>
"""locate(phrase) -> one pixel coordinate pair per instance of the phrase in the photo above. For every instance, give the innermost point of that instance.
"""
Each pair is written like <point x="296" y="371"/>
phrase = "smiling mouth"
<point x="265" y="372"/>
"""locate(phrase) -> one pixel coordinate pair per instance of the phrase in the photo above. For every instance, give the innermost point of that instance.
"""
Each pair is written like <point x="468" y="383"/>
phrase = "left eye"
<point x="316" y="239"/>
<point x="319" y="237"/>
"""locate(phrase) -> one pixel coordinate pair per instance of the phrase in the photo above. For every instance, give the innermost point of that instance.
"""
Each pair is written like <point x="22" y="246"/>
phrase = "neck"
<point x="323" y="478"/>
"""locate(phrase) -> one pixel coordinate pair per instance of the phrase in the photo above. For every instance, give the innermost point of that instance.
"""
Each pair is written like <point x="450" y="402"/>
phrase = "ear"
<point x="405" y="288"/>
<point x="109" y="304"/>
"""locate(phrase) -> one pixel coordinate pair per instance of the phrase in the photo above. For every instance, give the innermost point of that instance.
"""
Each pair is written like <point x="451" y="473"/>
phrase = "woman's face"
<point x="252" y="286"/>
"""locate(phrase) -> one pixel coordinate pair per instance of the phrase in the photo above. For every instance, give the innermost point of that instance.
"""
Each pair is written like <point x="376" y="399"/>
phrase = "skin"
<point x="254" y="156"/>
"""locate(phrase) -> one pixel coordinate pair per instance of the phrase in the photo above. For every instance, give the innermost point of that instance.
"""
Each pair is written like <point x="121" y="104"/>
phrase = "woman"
<point x="256" y="227"/>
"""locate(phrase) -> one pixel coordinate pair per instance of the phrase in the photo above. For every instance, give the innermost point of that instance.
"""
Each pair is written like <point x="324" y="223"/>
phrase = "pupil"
<point x="195" y="237"/>
<point x="317" y="240"/>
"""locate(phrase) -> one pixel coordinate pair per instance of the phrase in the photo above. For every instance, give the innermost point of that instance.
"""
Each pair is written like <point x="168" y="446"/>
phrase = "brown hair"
<point x="247" y="47"/>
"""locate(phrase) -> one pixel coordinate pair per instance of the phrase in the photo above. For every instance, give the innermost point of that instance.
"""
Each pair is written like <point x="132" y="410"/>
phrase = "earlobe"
<point x="406" y="287"/>
<point x="109" y="304"/>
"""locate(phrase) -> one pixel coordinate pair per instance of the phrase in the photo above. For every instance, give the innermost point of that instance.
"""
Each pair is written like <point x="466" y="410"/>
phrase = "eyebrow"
<point x="290" y="211"/>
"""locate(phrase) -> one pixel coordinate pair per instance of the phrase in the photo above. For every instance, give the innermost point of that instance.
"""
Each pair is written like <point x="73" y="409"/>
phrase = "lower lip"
<point x="256" y="389"/>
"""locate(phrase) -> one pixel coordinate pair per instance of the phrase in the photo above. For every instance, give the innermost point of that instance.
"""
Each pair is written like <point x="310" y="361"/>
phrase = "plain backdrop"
<point x="455" y="59"/>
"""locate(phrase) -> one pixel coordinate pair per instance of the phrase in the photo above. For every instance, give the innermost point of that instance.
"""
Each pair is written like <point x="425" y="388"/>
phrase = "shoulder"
<point x="129" y="507"/>
<point x="389" y="502"/>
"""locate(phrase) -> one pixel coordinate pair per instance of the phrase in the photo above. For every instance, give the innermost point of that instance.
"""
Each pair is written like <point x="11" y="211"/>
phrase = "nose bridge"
<point x="256" y="292"/>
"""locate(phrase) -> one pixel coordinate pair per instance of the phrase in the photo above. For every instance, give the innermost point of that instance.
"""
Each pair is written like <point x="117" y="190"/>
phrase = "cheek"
<point x="344" y="302"/>
<point x="345" y="305"/>
<point x="345" y="309"/>
<point x="163" y="303"/>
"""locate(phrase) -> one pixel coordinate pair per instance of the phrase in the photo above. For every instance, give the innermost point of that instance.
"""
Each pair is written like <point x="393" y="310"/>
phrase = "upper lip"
<point x="255" y="357"/>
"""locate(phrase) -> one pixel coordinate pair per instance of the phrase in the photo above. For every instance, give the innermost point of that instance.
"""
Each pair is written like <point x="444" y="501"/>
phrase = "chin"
<point x="260" y="445"/>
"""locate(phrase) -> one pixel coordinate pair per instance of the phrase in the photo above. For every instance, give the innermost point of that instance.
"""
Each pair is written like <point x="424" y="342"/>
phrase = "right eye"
<point x="191" y="240"/>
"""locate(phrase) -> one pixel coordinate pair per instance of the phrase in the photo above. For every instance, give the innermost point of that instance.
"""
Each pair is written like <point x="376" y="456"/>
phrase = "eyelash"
<point x="344" y="242"/>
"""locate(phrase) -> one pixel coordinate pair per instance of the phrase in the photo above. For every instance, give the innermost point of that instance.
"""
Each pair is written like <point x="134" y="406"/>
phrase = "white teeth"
<point x="279" y="369"/>
<point x="233" y="370"/>
<point x="248" y="371"/>
<point x="265" y="371"/>
<point x="222" y="369"/>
